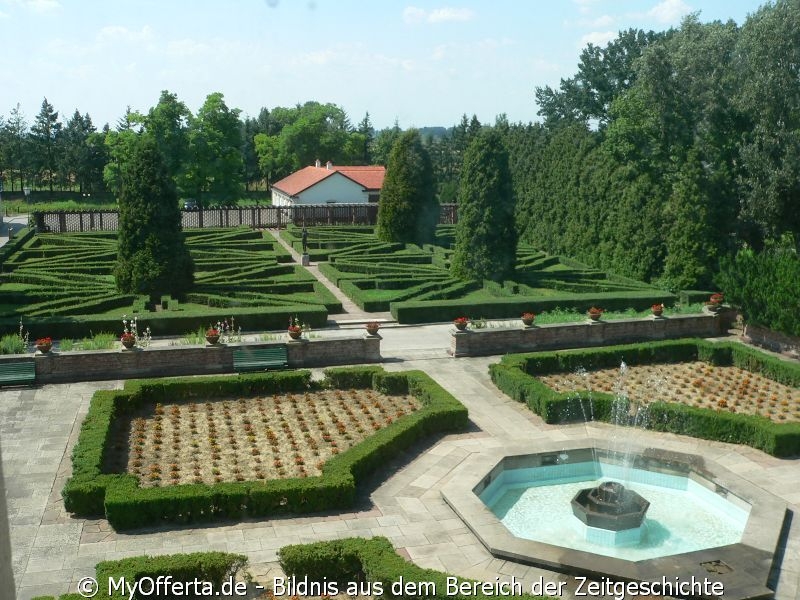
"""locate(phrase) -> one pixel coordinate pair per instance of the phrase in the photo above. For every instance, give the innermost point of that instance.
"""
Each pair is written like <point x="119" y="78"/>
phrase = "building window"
<point x="373" y="197"/>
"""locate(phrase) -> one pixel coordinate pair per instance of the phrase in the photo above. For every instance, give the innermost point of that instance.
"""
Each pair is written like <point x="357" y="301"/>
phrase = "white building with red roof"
<point x="329" y="184"/>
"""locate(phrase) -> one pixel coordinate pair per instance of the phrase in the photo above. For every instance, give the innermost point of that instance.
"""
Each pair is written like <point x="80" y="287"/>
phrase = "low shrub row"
<point x="373" y="560"/>
<point x="91" y="492"/>
<point x="515" y="376"/>
<point x="167" y="322"/>
<point x="411" y="312"/>
<point x="215" y="568"/>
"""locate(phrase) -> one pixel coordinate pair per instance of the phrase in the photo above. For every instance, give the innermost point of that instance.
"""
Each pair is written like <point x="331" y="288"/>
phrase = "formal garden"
<point x="415" y="282"/>
<point x="717" y="391"/>
<point x="204" y="449"/>
<point x="62" y="285"/>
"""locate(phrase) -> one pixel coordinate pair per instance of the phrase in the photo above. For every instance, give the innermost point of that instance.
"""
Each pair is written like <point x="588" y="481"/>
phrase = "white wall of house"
<point x="279" y="198"/>
<point x="334" y="189"/>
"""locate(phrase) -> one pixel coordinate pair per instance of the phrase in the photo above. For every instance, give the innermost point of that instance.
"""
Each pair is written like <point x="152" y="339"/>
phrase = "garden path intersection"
<point x="52" y="551"/>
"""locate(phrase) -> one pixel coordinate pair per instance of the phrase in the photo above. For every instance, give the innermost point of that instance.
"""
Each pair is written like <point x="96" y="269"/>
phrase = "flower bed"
<point x="92" y="491"/>
<point x="694" y="383"/>
<point x="249" y="439"/>
<point x="517" y="375"/>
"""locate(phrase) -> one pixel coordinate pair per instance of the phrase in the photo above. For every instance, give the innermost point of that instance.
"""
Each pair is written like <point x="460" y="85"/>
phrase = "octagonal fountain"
<point x="642" y="515"/>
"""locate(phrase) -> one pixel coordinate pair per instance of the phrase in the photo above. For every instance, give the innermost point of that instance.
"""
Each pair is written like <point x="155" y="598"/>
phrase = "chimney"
<point x="317" y="163"/>
<point x="329" y="165"/>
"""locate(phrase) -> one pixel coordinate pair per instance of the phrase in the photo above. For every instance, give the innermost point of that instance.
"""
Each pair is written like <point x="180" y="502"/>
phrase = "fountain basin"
<point x="746" y="562"/>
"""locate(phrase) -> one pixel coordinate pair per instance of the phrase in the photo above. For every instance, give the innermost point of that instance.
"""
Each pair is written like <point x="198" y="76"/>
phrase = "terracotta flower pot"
<point x="44" y="348"/>
<point x="527" y="321"/>
<point x="295" y="334"/>
<point x="595" y="316"/>
<point x="460" y="326"/>
<point x="212" y="339"/>
<point x="658" y="312"/>
<point x="128" y="342"/>
<point x="372" y="330"/>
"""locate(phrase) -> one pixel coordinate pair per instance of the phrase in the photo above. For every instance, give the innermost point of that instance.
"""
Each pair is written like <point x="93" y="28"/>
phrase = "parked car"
<point x="190" y="204"/>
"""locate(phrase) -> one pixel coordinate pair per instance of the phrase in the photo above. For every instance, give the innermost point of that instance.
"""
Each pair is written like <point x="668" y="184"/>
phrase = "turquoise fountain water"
<point x="683" y="516"/>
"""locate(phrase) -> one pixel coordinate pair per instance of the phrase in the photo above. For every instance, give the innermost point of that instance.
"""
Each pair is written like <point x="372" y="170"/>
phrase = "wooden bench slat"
<point x="17" y="372"/>
<point x="258" y="359"/>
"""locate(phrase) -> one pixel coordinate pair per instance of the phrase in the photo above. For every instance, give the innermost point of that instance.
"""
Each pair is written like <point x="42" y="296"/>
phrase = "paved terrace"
<point x="52" y="551"/>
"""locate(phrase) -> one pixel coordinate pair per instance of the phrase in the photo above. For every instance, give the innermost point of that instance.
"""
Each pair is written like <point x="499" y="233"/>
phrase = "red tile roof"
<point x="370" y="178"/>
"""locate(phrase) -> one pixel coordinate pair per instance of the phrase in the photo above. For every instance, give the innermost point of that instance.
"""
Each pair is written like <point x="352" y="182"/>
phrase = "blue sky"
<point x="422" y="63"/>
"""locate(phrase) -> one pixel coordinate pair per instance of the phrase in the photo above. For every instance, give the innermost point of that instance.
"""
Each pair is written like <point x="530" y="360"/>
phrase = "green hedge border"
<point x="212" y="567"/>
<point x="434" y="311"/>
<point x="90" y="492"/>
<point x="371" y="559"/>
<point x="168" y="323"/>
<point x="515" y="376"/>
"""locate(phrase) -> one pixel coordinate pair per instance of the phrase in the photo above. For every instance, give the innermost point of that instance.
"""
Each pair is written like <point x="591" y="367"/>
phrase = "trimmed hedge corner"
<point x="91" y="492"/>
<point x="212" y="567"/>
<point x="373" y="560"/>
<point x="515" y="376"/>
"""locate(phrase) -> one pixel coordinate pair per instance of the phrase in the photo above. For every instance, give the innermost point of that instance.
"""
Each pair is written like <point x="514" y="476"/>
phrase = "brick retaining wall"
<point x="483" y="342"/>
<point x="62" y="367"/>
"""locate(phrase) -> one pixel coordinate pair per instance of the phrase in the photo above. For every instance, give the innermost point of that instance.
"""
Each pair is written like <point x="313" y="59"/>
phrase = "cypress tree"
<point x="408" y="211"/>
<point x="152" y="257"/>
<point x="486" y="237"/>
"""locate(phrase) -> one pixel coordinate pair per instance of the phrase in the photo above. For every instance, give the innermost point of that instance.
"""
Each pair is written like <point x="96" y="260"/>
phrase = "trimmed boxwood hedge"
<point x="434" y="311"/>
<point x="91" y="492"/>
<point x="211" y="567"/>
<point x="515" y="376"/>
<point x="359" y="559"/>
<point x="169" y="323"/>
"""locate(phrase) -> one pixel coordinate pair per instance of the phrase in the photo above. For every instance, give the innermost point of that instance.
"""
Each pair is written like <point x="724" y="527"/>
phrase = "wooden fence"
<point x="257" y="217"/>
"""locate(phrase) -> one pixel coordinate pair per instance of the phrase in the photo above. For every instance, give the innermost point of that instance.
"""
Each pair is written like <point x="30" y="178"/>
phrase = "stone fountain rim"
<point x="750" y="560"/>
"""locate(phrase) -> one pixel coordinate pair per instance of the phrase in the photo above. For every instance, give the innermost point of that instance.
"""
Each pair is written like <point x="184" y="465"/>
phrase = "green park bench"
<point x="17" y="373"/>
<point x="260" y="359"/>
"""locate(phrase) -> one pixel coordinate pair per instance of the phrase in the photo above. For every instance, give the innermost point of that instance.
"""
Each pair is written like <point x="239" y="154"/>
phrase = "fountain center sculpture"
<point x="610" y="506"/>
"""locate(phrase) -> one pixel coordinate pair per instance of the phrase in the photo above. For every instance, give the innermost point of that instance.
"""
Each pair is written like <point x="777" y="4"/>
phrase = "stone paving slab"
<point x="51" y="550"/>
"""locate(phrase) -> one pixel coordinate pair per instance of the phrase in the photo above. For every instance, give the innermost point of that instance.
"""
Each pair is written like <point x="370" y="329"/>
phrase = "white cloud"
<point x="187" y="48"/>
<point x="585" y="6"/>
<point x="442" y="15"/>
<point x="669" y="11"/>
<point x="3" y="15"/>
<point x="601" y="21"/>
<point x="598" y="38"/>
<point x="116" y="33"/>
<point x="414" y="14"/>
<point x="41" y="7"/>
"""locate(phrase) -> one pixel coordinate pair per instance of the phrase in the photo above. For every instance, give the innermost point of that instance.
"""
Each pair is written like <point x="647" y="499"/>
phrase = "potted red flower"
<point x="595" y="313"/>
<point x="295" y="329"/>
<point x="128" y="340"/>
<point x="527" y="318"/>
<point x="372" y="327"/>
<point x="658" y="309"/>
<point x="44" y="345"/>
<point x="461" y="323"/>
<point x="715" y="302"/>
<point x="212" y="335"/>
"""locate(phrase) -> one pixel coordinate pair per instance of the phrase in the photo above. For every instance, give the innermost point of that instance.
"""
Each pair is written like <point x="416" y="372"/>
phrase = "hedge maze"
<point x="59" y="278"/>
<point x="415" y="283"/>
